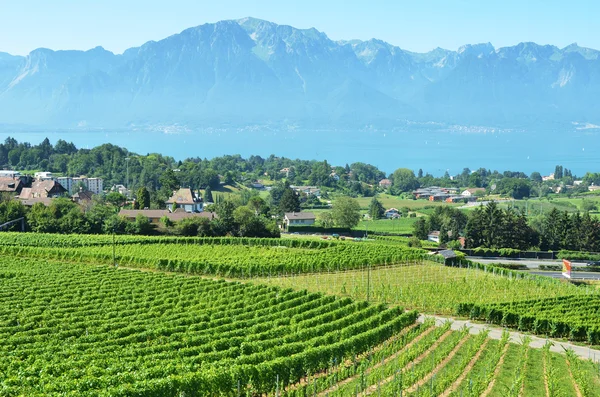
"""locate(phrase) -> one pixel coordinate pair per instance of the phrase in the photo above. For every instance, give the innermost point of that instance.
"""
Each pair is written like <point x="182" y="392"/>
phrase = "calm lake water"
<point x="435" y="151"/>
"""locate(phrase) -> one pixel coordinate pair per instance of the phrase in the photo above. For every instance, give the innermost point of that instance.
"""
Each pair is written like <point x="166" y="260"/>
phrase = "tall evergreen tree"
<point x="289" y="201"/>
<point x="143" y="198"/>
<point x="376" y="209"/>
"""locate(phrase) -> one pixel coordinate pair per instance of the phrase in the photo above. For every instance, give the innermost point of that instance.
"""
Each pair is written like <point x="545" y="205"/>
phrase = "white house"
<point x="392" y="213"/>
<point x="472" y="191"/>
<point x="434" y="236"/>
<point x="186" y="199"/>
<point x="298" y="219"/>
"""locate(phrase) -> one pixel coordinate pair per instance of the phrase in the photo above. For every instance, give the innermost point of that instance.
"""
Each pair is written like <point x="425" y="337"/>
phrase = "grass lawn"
<point x="401" y="225"/>
<point x="389" y="201"/>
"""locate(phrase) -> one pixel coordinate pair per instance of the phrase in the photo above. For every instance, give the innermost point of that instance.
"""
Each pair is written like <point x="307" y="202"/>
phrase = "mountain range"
<point x="254" y="72"/>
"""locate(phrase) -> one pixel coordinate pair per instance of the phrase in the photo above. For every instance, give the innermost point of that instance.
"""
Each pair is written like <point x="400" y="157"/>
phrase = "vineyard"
<point x="104" y="331"/>
<point x="230" y="257"/>
<point x="306" y="317"/>
<point x="430" y="287"/>
<point x="574" y="317"/>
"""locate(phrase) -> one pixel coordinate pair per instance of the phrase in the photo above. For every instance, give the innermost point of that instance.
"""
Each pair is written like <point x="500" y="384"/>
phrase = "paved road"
<point x="530" y="263"/>
<point x="574" y="275"/>
<point x="515" y="337"/>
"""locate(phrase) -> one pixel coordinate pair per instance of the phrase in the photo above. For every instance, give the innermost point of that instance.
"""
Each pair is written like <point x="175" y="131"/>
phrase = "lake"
<point x="435" y="150"/>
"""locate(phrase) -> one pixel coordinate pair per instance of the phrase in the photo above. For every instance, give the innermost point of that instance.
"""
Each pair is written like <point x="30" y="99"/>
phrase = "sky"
<point x="415" y="25"/>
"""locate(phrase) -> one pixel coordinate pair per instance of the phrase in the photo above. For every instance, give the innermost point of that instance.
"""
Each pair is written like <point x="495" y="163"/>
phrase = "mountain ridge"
<point x="251" y="71"/>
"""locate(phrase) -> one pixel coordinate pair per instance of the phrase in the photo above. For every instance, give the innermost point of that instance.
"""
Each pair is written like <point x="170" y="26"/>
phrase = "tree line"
<point x="490" y="226"/>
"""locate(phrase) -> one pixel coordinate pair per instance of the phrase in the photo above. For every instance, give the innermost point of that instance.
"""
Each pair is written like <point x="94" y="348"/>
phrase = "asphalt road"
<point x="516" y="337"/>
<point x="530" y="263"/>
<point x="574" y="275"/>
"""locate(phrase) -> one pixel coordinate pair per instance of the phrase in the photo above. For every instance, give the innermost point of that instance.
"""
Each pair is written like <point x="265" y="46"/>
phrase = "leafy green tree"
<point x="588" y="205"/>
<point x="290" y="202"/>
<point x="403" y="180"/>
<point x="116" y="199"/>
<point x="326" y="220"/>
<point x="346" y="212"/>
<point x="376" y="209"/>
<point x="536" y="177"/>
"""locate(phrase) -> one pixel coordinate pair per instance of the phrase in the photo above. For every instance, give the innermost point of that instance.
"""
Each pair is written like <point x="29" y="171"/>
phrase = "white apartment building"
<point x="94" y="185"/>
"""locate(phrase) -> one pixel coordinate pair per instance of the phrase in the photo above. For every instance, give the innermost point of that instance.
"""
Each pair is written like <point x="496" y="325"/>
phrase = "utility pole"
<point x="368" y="281"/>
<point x="114" y="256"/>
<point x="127" y="178"/>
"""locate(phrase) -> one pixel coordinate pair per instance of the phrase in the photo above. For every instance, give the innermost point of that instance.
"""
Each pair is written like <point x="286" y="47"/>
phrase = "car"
<point x="593" y="263"/>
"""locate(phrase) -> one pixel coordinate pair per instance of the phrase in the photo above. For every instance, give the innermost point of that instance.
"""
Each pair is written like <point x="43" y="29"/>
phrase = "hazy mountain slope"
<point x="245" y="72"/>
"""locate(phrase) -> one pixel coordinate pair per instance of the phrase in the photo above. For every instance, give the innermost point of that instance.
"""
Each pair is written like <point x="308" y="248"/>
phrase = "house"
<point x="450" y="257"/>
<point x="308" y="190"/>
<point x="548" y="178"/>
<point x="594" y="188"/>
<point x="434" y="236"/>
<point x="186" y="199"/>
<point x="9" y="174"/>
<point x="439" y="197"/>
<point x="120" y="189"/>
<point x="44" y="176"/>
<point x="42" y="189"/>
<point x="82" y="196"/>
<point x="577" y="183"/>
<point x="334" y="176"/>
<point x="472" y="191"/>
<point x="154" y="216"/>
<point x="10" y="185"/>
<point x="385" y="183"/>
<point x="392" y="213"/>
<point x="298" y="219"/>
<point x="33" y="201"/>
<point x="285" y="171"/>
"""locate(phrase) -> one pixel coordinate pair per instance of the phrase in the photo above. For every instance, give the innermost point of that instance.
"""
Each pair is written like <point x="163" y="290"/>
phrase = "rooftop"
<point x="299" y="215"/>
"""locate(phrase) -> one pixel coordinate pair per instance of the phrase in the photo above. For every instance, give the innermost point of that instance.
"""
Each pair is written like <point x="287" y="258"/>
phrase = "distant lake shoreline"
<point x="433" y="150"/>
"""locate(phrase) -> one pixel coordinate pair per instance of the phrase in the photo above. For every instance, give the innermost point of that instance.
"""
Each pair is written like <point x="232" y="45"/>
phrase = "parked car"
<point x="593" y="263"/>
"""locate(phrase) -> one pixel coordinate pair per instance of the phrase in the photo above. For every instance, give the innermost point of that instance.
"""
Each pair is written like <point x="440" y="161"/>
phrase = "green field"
<point x="389" y="201"/>
<point x="398" y="226"/>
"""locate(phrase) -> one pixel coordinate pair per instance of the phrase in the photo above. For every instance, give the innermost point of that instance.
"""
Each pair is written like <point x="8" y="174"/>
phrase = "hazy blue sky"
<point x="417" y="25"/>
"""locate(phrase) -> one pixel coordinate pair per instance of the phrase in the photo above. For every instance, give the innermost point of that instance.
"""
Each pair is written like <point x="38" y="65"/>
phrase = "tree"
<point x="116" y="199"/>
<point x="346" y="212"/>
<point x="289" y="201"/>
<point x="420" y="229"/>
<point x="536" y="177"/>
<point x="403" y="180"/>
<point x="588" y="205"/>
<point x="326" y="219"/>
<point x="376" y="209"/>
<point x="208" y="198"/>
<point x="142" y="198"/>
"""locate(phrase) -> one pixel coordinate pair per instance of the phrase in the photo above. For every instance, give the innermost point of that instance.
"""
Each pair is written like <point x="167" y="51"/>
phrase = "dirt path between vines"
<point x="379" y="364"/>
<point x="373" y="388"/>
<point x="496" y="372"/>
<point x="466" y="371"/>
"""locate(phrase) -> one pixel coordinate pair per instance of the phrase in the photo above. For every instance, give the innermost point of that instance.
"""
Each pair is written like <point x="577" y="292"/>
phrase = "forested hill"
<point x="255" y="72"/>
